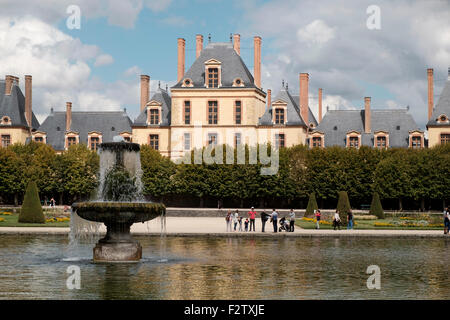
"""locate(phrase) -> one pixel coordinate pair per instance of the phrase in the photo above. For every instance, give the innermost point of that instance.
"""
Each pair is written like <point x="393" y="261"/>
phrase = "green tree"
<point x="312" y="205"/>
<point x="31" y="211"/>
<point x="375" y="207"/>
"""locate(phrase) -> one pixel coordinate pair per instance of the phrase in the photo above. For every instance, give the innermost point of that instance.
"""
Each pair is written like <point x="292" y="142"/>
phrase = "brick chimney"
<point x="28" y="100"/>
<point x="430" y="92"/>
<point x="257" y="60"/>
<point x="269" y="98"/>
<point x="304" y="96"/>
<point x="367" y="117"/>
<point x="181" y="52"/>
<point x="198" y="45"/>
<point x="9" y="81"/>
<point x="145" y="90"/>
<point x="237" y="43"/>
<point x="68" y="115"/>
<point x="320" y="105"/>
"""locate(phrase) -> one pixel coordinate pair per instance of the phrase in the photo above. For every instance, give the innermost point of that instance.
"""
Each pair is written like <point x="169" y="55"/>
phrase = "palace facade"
<point x="219" y="101"/>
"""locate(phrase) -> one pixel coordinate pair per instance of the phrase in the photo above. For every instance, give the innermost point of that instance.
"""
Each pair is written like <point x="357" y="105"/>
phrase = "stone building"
<point x="438" y="117"/>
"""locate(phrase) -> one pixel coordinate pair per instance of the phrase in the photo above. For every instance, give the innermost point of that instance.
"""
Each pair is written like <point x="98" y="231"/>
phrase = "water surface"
<point x="35" y="267"/>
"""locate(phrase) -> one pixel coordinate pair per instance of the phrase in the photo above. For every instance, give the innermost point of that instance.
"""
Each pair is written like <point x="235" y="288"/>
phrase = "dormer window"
<point x="154" y="109"/>
<point x="187" y="83"/>
<point x="72" y="138"/>
<point x="316" y="139"/>
<point x="94" y="140"/>
<point x="238" y="82"/>
<point x="154" y="116"/>
<point x="416" y="139"/>
<point x="381" y="139"/>
<point x="6" y="120"/>
<point x="279" y="116"/>
<point x="353" y="139"/>
<point x="39" y="136"/>
<point x="442" y="119"/>
<point x="213" y="73"/>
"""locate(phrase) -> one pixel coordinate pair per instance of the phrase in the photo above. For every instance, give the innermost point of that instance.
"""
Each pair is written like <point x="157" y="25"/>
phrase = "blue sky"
<point x="98" y="66"/>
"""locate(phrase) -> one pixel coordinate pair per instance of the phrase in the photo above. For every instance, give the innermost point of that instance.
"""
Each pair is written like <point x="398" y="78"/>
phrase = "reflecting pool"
<point x="35" y="267"/>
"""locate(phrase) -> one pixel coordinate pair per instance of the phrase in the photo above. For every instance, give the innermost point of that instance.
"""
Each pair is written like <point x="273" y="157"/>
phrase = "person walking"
<point x="337" y="220"/>
<point x="318" y="216"/>
<point x="446" y="220"/>
<point x="252" y="216"/>
<point x="274" y="220"/>
<point x="291" y="220"/>
<point x="228" y="220"/>
<point x="350" y="220"/>
<point x="264" y="218"/>
<point x="235" y="219"/>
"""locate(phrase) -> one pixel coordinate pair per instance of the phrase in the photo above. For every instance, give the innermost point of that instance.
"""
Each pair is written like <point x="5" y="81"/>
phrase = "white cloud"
<point x="103" y="59"/>
<point x="315" y="33"/>
<point x="133" y="71"/>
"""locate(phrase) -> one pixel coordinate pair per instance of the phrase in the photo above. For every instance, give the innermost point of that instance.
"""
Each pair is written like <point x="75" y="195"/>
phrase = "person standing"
<point x="291" y="220"/>
<point x="235" y="219"/>
<point x="446" y="220"/>
<point x="246" y="225"/>
<point x="252" y="216"/>
<point x="52" y="203"/>
<point x="318" y="216"/>
<point x="240" y="223"/>
<point x="337" y="220"/>
<point x="264" y="218"/>
<point x="274" y="219"/>
<point x="228" y="220"/>
<point x="350" y="220"/>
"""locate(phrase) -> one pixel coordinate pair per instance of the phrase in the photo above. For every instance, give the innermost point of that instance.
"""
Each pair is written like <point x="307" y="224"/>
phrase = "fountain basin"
<point x="118" y="245"/>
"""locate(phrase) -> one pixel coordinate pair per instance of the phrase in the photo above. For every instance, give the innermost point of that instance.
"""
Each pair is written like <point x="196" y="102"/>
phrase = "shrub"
<point x="312" y="205"/>
<point x="31" y="208"/>
<point x="375" y="207"/>
<point x="343" y="206"/>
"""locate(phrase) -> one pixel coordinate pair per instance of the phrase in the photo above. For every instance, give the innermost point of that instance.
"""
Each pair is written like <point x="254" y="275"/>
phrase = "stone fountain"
<point x="120" y="202"/>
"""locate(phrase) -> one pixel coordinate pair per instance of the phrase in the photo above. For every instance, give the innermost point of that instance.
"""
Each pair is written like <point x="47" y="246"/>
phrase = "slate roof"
<point x="83" y="123"/>
<point x="232" y="67"/>
<point x="337" y="123"/>
<point x="442" y="107"/>
<point x="163" y="97"/>
<point x="293" y="116"/>
<point x="13" y="106"/>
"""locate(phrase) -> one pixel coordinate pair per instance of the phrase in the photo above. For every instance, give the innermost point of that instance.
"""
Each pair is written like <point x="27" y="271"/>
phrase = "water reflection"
<point x="230" y="268"/>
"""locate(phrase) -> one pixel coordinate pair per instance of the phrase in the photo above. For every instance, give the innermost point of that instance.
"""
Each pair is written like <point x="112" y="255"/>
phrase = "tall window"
<point x="6" y="140"/>
<point x="279" y="140"/>
<point x="187" y="141"/>
<point x="353" y="142"/>
<point x="187" y="112"/>
<point x="71" y="141"/>
<point x="154" y="141"/>
<point x="238" y="111"/>
<point x="416" y="142"/>
<point x="213" y="77"/>
<point x="381" y="142"/>
<point x="95" y="141"/>
<point x="212" y="139"/>
<point x="212" y="112"/>
<point x="154" y="116"/>
<point x="279" y="116"/>
<point x="317" y="141"/>
<point x="445" y="138"/>
<point x="237" y="139"/>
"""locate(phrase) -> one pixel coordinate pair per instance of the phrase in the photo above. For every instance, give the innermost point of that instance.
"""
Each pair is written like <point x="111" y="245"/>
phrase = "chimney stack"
<point x="68" y="115"/>
<point x="181" y="52"/>
<point x="269" y="98"/>
<point x="320" y="105"/>
<point x="9" y="81"/>
<point x="430" y="93"/>
<point x="367" y="118"/>
<point x="257" y="60"/>
<point x="198" y="45"/>
<point x="28" y="100"/>
<point x="304" y="97"/>
<point x="145" y="90"/>
<point x="237" y="43"/>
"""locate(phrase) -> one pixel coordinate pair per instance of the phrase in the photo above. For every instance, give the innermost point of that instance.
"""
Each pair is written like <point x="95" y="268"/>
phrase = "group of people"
<point x="235" y="221"/>
<point x="446" y="220"/>
<point x="336" y="220"/>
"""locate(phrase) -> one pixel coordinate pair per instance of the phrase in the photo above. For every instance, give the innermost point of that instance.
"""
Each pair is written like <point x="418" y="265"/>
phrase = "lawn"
<point x="402" y="223"/>
<point x="9" y="219"/>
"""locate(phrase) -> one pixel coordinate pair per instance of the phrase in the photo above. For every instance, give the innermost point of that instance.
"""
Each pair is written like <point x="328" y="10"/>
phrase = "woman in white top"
<point x="235" y="219"/>
<point x="337" y="220"/>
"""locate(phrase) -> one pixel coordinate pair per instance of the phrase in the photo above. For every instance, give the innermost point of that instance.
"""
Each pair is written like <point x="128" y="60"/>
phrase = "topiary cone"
<point x="31" y="211"/>
<point x="343" y="206"/>
<point x="376" y="208"/>
<point x="312" y="205"/>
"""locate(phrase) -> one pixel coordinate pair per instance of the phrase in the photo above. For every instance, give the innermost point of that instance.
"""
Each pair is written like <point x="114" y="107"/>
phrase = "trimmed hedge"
<point x="376" y="208"/>
<point x="31" y="211"/>
<point x="343" y="206"/>
<point x="312" y="205"/>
